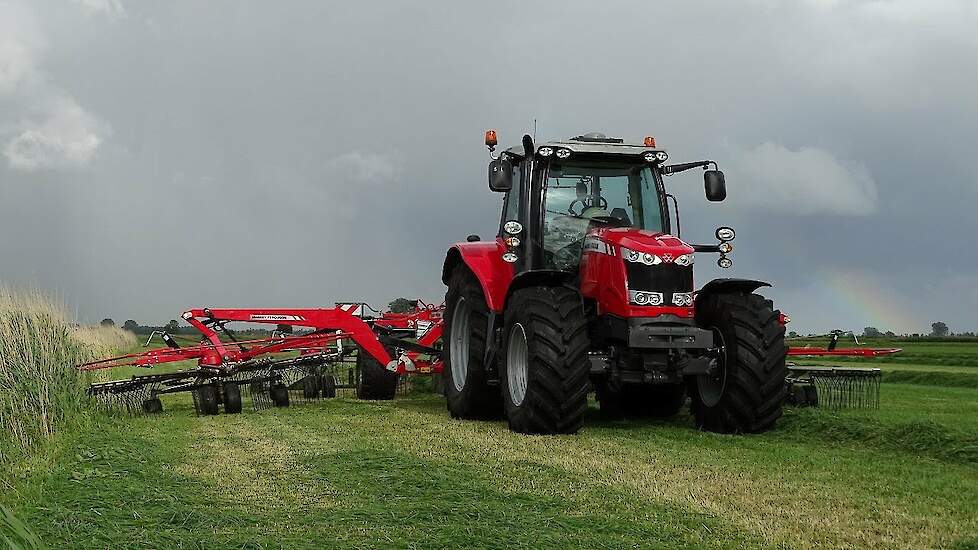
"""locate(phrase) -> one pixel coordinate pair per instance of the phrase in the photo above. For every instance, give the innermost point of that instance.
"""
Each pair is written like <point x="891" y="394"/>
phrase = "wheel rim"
<point x="517" y="364"/>
<point x="710" y="386"/>
<point x="460" y="343"/>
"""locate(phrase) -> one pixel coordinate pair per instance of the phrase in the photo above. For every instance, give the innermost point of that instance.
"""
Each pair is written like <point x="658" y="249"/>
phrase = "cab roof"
<point x="591" y="144"/>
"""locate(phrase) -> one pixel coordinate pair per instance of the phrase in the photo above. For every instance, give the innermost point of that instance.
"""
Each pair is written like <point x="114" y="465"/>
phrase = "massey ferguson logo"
<point x="667" y="258"/>
<point x="257" y="317"/>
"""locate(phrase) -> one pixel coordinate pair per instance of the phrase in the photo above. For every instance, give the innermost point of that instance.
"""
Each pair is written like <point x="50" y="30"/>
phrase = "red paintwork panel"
<point x="485" y="259"/>
<point x="603" y="275"/>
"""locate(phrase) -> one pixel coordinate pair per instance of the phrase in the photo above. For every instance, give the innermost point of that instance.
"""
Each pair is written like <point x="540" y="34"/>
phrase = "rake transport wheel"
<point x="310" y="386"/>
<point x="746" y="389"/>
<point x="207" y="397"/>
<point x="279" y="394"/>
<point x="153" y="406"/>
<point x="646" y="400"/>
<point x="545" y="373"/>
<point x="376" y="382"/>
<point x="329" y="386"/>
<point x="232" y="398"/>
<point x="465" y="379"/>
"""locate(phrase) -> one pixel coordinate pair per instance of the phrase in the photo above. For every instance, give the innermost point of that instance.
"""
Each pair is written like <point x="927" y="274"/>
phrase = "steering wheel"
<point x="602" y="203"/>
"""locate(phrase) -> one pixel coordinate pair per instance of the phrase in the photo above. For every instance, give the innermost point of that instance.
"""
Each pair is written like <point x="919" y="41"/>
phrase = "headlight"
<point x="725" y="234"/>
<point x="642" y="298"/>
<point x="545" y="151"/>
<point x="510" y="257"/>
<point x="646" y="258"/>
<point x="682" y="299"/>
<point x="684" y="260"/>
<point x="649" y="156"/>
<point x="513" y="227"/>
<point x="563" y="153"/>
<point x="724" y="262"/>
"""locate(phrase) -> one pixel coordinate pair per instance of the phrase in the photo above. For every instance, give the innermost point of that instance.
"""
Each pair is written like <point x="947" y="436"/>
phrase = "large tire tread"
<point x="558" y="365"/>
<point x="376" y="382"/>
<point x="754" y="392"/>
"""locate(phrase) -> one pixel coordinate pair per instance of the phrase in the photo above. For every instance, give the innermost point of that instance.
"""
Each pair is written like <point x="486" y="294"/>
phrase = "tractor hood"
<point x="663" y="245"/>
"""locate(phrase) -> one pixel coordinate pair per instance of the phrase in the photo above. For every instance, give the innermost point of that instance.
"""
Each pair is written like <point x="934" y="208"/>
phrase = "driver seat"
<point x="621" y="214"/>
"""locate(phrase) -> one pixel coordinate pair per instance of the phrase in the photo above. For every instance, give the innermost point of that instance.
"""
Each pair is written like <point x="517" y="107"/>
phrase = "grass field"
<point x="343" y="473"/>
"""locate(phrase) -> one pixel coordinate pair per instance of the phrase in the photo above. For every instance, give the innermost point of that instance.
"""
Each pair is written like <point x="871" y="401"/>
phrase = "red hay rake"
<point x="835" y="387"/>
<point x="283" y="368"/>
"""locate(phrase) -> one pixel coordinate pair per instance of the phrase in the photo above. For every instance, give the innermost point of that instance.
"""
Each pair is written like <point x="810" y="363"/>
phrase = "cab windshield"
<point x="579" y="196"/>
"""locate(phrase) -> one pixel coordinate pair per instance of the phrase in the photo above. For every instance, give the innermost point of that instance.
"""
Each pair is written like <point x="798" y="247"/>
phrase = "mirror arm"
<point x="677" y="168"/>
<point x="706" y="247"/>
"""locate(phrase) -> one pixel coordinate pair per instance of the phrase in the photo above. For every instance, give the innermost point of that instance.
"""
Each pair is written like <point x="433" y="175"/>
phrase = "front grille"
<point x="664" y="278"/>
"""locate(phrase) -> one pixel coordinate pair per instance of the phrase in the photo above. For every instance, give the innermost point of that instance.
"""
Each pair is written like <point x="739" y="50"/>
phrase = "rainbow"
<point x="859" y="295"/>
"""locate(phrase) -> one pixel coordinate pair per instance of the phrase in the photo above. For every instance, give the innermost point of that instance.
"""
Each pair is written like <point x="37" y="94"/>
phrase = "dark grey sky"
<point x="162" y="155"/>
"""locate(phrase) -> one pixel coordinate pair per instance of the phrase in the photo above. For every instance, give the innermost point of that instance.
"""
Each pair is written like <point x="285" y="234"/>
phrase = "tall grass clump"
<point x="40" y="388"/>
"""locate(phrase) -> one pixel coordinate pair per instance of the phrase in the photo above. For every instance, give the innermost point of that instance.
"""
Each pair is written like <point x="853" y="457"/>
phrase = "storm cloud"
<point x="161" y="155"/>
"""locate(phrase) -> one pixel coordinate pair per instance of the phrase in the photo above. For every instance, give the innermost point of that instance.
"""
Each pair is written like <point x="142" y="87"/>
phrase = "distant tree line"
<point x="939" y="331"/>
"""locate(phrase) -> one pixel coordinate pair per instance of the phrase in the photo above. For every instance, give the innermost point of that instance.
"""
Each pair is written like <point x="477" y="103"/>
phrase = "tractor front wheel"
<point x="465" y="378"/>
<point x="545" y="373"/>
<point x="745" y="388"/>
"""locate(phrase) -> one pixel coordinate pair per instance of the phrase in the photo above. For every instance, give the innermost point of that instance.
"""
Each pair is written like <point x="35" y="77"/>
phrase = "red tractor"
<point x="588" y="285"/>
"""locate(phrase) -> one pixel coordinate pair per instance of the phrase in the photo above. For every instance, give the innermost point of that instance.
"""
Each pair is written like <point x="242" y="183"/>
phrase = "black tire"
<point x="310" y="387"/>
<point x="207" y="399"/>
<point x="811" y="395"/>
<point x="746" y="392"/>
<point x="329" y="386"/>
<point x="642" y="400"/>
<point x="232" y="398"/>
<point x="465" y="378"/>
<point x="546" y="331"/>
<point x="279" y="394"/>
<point x="153" y="406"/>
<point x="376" y="382"/>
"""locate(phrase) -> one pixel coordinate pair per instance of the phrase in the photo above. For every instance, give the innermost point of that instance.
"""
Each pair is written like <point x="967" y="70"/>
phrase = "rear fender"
<point x="538" y="277"/>
<point x="485" y="261"/>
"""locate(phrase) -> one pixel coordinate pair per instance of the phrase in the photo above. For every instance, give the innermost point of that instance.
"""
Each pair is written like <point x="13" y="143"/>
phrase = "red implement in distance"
<point x="843" y="352"/>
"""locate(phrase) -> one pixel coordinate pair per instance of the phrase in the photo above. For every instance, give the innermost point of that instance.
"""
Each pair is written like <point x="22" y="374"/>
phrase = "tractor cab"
<point x="563" y="191"/>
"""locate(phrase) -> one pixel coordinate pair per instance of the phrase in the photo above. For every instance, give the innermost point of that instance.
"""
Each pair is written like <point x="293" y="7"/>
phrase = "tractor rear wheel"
<point x="232" y="398"/>
<point x="646" y="400"/>
<point x="376" y="382"/>
<point x="745" y="390"/>
<point x="465" y="377"/>
<point x="545" y="373"/>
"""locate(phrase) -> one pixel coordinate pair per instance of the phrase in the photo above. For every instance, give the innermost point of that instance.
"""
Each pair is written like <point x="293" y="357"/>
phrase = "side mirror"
<point x="500" y="175"/>
<point x="716" y="186"/>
